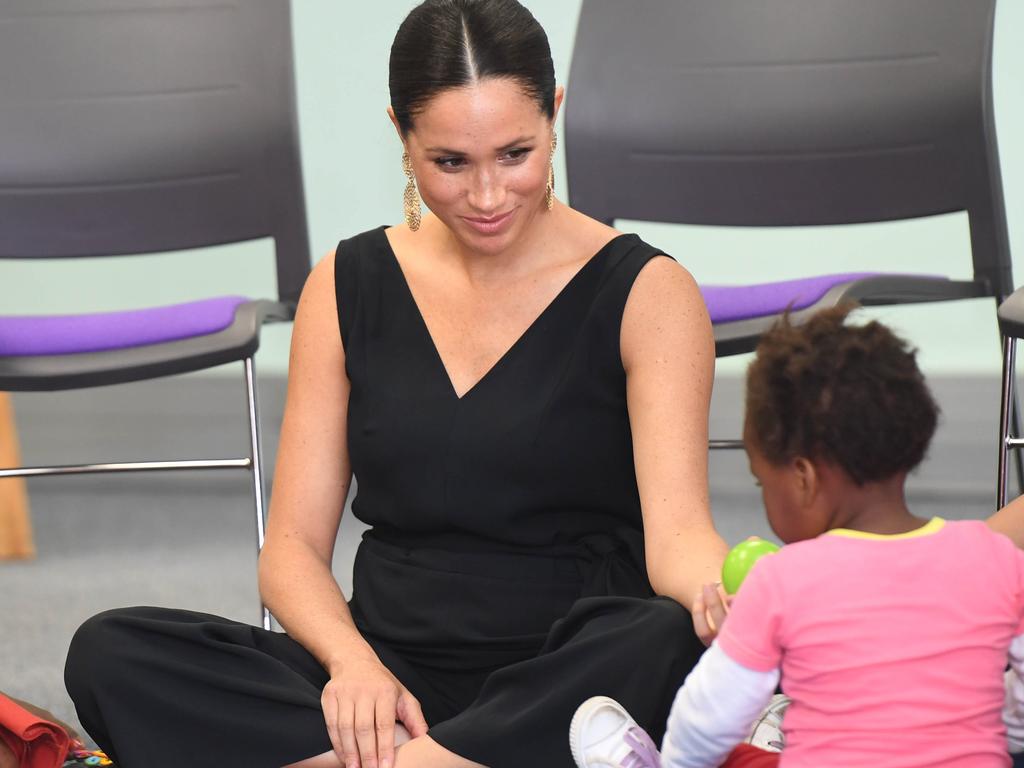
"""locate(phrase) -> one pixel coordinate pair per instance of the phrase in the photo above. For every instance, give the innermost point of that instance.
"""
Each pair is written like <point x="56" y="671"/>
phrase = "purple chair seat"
<point x="729" y="303"/>
<point x="31" y="335"/>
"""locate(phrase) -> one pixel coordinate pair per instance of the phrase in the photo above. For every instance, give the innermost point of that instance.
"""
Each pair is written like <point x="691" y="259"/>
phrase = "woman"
<point x="523" y="395"/>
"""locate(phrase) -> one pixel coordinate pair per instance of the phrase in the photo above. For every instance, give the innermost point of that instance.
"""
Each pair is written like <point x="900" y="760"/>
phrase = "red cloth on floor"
<point x="37" y="743"/>
<point x="746" y="756"/>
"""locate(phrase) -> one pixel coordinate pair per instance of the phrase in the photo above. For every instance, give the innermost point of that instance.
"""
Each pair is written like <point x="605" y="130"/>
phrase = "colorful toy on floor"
<point x="78" y="757"/>
<point x="741" y="559"/>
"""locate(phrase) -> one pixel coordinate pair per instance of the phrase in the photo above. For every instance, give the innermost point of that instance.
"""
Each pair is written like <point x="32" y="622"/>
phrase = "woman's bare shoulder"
<point x="665" y="309"/>
<point x="319" y="285"/>
<point x="316" y="318"/>
<point x="663" y="279"/>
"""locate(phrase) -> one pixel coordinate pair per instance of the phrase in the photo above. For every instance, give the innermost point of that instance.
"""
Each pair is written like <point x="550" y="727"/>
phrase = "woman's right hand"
<point x="710" y="610"/>
<point x="361" y="703"/>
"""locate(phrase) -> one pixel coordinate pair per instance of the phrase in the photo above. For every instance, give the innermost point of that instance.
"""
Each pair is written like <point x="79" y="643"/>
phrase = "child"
<point x="889" y="632"/>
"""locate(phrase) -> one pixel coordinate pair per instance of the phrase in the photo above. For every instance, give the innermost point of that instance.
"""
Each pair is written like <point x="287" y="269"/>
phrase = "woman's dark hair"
<point x="451" y="43"/>
<point x="851" y="395"/>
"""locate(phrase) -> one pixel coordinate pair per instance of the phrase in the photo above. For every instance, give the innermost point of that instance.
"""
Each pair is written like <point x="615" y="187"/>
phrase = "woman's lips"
<point x="491" y="225"/>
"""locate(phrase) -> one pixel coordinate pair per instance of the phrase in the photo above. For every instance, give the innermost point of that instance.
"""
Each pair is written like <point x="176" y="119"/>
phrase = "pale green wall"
<point x="354" y="181"/>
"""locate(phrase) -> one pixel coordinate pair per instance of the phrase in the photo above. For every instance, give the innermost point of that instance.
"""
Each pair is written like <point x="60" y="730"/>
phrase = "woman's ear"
<point x="394" y="122"/>
<point x="559" y="96"/>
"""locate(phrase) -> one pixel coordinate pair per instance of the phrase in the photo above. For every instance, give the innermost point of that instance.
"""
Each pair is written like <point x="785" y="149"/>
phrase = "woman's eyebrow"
<point x="445" y="151"/>
<point x="515" y="143"/>
<point x="512" y="144"/>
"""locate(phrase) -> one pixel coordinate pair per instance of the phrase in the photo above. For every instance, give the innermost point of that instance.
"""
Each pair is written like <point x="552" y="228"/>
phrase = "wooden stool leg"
<point x="15" y="523"/>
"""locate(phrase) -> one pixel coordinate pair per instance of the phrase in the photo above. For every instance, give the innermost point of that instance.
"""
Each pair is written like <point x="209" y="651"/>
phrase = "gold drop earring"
<point x="549" y="190"/>
<point x="411" y="198"/>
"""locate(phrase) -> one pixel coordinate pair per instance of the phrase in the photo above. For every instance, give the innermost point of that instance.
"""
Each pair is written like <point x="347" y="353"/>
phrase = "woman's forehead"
<point x="488" y="114"/>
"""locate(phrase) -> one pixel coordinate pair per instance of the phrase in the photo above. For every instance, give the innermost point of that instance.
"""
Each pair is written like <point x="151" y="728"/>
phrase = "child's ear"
<point x="805" y="475"/>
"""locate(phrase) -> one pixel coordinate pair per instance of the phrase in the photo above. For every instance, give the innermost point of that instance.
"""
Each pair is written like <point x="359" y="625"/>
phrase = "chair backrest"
<point x="788" y="112"/>
<point x="151" y="125"/>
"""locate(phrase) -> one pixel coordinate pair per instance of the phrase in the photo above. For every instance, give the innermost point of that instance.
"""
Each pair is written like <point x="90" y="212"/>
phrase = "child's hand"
<point x="710" y="608"/>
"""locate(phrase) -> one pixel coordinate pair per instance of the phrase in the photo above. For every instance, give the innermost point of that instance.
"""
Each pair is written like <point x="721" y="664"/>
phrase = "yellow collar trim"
<point x="932" y="526"/>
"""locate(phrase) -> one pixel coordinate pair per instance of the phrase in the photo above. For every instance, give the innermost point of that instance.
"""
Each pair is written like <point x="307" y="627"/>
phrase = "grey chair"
<point x="791" y="113"/>
<point x="142" y="127"/>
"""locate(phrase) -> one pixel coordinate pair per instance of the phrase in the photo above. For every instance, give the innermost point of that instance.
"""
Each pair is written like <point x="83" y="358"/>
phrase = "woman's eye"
<point x="449" y="162"/>
<point x="517" y="154"/>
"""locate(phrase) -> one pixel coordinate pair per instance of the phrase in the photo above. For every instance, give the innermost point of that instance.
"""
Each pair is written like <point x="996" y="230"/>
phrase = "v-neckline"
<point x="519" y="339"/>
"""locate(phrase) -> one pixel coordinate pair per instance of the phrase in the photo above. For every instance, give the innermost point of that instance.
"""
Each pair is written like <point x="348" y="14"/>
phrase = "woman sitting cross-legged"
<point x="522" y="394"/>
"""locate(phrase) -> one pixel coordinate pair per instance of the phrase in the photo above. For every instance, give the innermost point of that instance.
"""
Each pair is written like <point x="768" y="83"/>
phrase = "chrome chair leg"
<point x="725" y="445"/>
<point x="257" y="468"/>
<point x="1006" y="416"/>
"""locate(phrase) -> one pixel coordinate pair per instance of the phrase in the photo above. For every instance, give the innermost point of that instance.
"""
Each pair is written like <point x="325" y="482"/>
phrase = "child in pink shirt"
<point x="889" y="632"/>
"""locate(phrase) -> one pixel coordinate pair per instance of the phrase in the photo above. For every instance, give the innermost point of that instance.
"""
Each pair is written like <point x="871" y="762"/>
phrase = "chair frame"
<point x="785" y="120"/>
<point x="192" y="141"/>
<point x="251" y="463"/>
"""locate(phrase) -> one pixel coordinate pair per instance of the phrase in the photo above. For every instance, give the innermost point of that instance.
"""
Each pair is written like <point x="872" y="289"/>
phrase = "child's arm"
<point x="1013" y="707"/>
<point x="714" y="709"/>
<point x="1010" y="521"/>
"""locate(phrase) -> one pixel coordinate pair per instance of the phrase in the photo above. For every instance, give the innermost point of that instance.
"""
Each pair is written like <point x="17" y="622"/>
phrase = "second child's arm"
<point x="1013" y="708"/>
<point x="713" y="711"/>
<point x="733" y="681"/>
<point x="1010" y="521"/>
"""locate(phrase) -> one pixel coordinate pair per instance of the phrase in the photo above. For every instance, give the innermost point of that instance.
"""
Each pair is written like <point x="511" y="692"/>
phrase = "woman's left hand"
<point x="710" y="609"/>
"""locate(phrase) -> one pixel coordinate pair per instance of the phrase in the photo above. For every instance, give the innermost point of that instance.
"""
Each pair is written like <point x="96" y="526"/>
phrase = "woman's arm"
<point x="1010" y="521"/>
<point x="668" y="352"/>
<point x="311" y="482"/>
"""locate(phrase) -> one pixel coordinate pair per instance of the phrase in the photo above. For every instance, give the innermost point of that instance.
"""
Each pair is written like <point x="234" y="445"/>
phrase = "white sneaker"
<point x="603" y="734"/>
<point x="766" y="732"/>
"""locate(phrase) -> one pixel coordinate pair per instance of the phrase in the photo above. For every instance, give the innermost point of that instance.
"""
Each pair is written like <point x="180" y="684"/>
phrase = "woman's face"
<point x="481" y="155"/>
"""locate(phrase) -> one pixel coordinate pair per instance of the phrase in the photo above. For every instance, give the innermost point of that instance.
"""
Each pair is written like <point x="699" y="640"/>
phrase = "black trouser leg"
<point x="158" y="687"/>
<point x="636" y="651"/>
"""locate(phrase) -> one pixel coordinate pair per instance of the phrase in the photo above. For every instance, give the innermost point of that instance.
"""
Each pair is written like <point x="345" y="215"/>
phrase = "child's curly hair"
<point x="851" y="395"/>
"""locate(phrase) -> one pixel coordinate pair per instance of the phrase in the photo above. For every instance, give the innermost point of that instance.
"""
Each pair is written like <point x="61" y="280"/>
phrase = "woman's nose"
<point x="486" y="192"/>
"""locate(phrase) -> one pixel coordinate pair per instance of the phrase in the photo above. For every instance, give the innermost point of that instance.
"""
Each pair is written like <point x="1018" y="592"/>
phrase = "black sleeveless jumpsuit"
<point x="502" y="581"/>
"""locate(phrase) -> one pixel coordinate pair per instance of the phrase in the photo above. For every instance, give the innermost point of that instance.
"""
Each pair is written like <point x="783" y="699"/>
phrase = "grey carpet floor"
<point x="188" y="540"/>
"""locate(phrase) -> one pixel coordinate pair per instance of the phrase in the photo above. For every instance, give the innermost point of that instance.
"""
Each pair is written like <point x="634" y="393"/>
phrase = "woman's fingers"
<point x="700" y="620"/>
<point x="385" y="718"/>
<point x="710" y="609"/>
<point x="360" y="714"/>
<point x="714" y="605"/>
<point x="329" y="704"/>
<point x="349" y="753"/>
<point x="411" y="715"/>
<point x="366" y="732"/>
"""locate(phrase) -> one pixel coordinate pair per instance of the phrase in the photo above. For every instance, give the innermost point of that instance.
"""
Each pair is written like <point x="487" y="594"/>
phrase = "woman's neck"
<point x="533" y="248"/>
